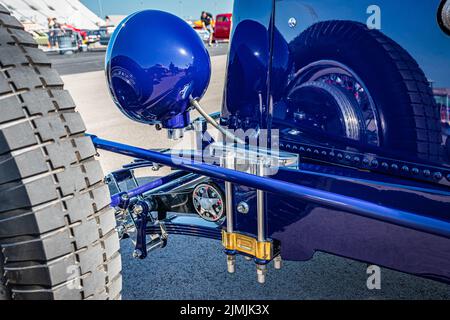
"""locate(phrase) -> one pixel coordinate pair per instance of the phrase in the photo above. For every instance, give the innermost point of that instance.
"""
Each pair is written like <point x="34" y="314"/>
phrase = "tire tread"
<point x="417" y="113"/>
<point x="56" y="226"/>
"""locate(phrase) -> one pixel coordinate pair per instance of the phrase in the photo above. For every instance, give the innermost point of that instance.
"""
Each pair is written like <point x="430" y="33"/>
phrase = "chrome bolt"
<point x="231" y="264"/>
<point x="438" y="176"/>
<point x="137" y="254"/>
<point x="243" y="207"/>
<point x="138" y="209"/>
<point x="374" y="163"/>
<point x="292" y="22"/>
<point x="277" y="263"/>
<point x="175" y="134"/>
<point x="261" y="272"/>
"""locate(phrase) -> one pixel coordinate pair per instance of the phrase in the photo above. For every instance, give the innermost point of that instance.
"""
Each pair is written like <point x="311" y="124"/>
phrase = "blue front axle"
<point x="324" y="198"/>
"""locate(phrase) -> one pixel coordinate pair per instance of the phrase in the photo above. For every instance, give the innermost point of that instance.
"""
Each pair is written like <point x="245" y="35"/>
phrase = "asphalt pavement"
<point x="191" y="268"/>
<point x="95" y="60"/>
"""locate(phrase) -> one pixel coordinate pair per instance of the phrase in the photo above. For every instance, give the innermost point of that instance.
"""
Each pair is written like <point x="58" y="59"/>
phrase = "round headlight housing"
<point x="154" y="73"/>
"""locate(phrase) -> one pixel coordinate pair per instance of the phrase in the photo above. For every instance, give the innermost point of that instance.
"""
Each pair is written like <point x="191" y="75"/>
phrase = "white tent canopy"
<point x="66" y="11"/>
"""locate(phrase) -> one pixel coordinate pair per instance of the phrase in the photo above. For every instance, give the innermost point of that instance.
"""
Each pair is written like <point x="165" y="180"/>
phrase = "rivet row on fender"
<point x="362" y="161"/>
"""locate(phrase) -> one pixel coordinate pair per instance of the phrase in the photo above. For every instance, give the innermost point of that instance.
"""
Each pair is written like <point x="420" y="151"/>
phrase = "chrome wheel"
<point x="329" y="96"/>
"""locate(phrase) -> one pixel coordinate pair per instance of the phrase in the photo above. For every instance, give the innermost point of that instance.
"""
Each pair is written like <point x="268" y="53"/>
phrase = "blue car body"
<point x="263" y="64"/>
<point x="261" y="40"/>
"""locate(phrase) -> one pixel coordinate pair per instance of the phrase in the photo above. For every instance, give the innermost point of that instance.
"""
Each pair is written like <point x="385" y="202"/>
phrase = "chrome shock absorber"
<point x="262" y="168"/>
<point x="261" y="269"/>
<point x="228" y="161"/>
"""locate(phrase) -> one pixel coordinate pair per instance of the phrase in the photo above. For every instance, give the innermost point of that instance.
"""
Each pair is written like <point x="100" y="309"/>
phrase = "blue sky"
<point x="183" y="8"/>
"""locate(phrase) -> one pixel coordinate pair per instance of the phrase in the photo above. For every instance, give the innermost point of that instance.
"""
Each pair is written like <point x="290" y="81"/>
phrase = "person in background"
<point x="51" y="32"/>
<point x="207" y="21"/>
<point x="58" y="31"/>
<point x="57" y="25"/>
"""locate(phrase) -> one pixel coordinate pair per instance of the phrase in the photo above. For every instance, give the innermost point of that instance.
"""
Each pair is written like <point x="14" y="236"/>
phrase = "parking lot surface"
<point x="191" y="268"/>
<point x="95" y="60"/>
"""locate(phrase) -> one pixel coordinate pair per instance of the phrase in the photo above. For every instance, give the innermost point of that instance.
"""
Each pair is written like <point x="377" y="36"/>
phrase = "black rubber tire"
<point x="409" y="115"/>
<point x="57" y="231"/>
<point x="5" y="294"/>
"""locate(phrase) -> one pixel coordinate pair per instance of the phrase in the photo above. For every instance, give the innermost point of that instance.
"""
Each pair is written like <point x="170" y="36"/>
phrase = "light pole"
<point x="100" y="6"/>
<point x="182" y="9"/>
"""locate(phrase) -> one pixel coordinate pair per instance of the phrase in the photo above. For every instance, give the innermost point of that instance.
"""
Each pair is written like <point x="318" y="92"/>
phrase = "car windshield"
<point x="223" y="19"/>
<point x="443" y="100"/>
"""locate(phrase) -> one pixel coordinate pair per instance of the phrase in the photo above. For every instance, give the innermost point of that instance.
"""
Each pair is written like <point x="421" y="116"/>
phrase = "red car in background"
<point x="442" y="97"/>
<point x="223" y="26"/>
<point x="82" y="33"/>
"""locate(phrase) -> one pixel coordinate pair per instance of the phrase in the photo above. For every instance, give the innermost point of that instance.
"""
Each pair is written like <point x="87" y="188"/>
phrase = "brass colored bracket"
<point x="247" y="245"/>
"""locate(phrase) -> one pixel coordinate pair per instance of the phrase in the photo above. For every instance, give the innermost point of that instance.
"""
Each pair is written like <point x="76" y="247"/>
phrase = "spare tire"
<point x="57" y="231"/>
<point x="404" y="114"/>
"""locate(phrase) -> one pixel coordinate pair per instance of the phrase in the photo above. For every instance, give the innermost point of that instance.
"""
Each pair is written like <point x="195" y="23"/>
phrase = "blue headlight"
<point x="155" y="64"/>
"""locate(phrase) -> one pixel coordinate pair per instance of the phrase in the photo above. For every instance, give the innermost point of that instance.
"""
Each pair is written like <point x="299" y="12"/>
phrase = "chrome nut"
<point x="277" y="263"/>
<point x="138" y="209"/>
<point x="137" y="254"/>
<point x="261" y="272"/>
<point x="243" y="208"/>
<point x="231" y="264"/>
<point x="292" y="22"/>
